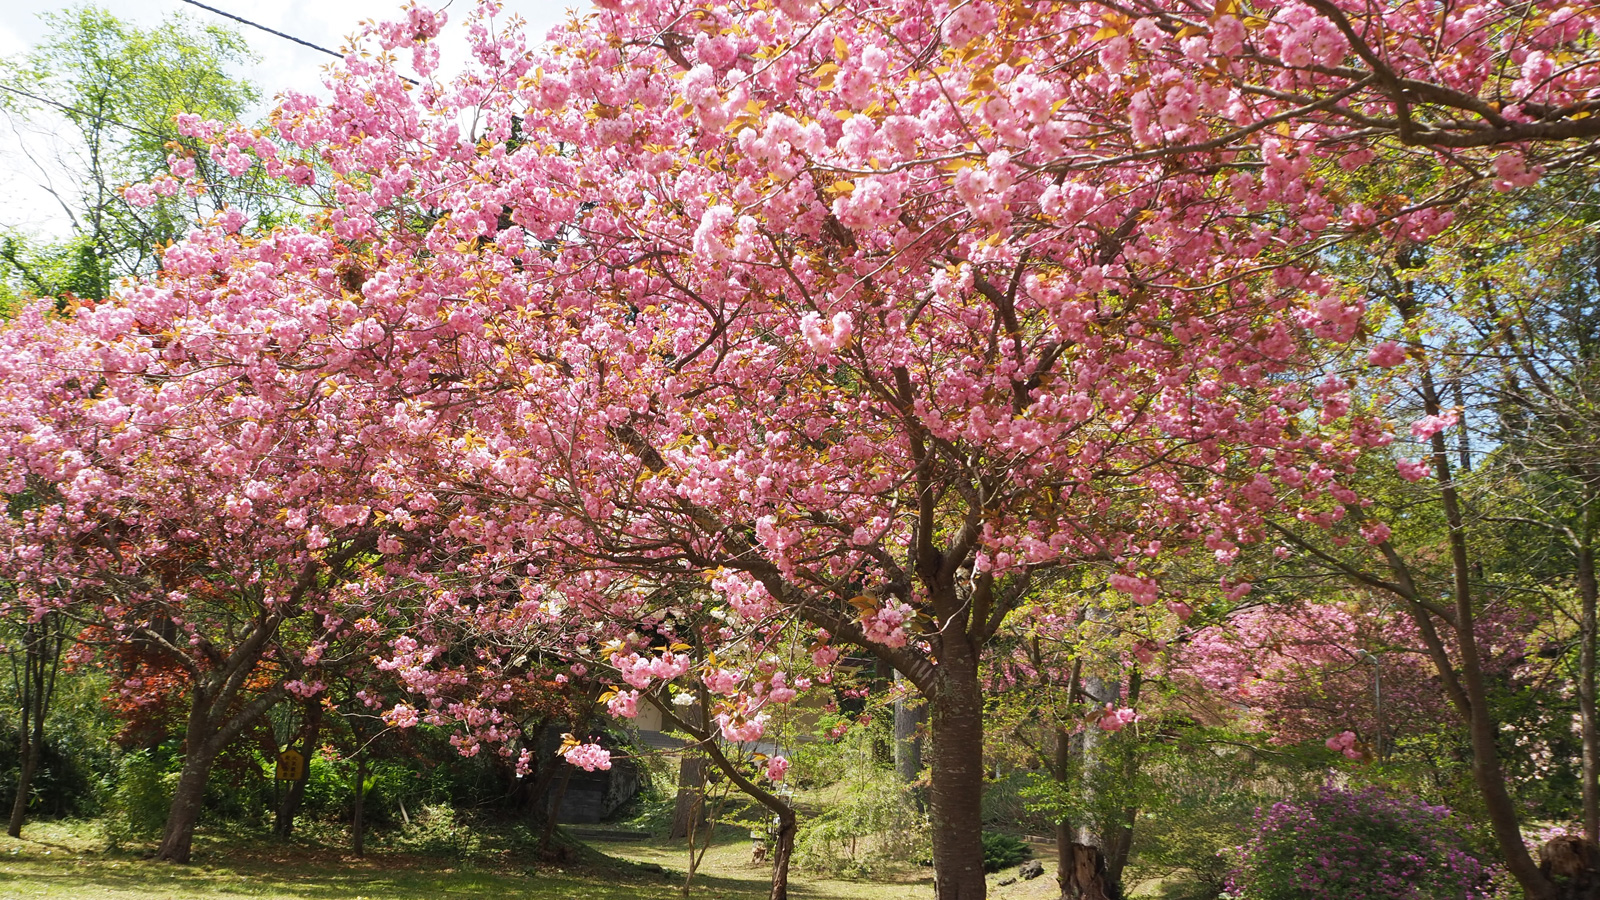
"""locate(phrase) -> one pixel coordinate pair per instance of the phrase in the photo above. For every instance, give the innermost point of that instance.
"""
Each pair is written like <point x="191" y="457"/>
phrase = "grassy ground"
<point x="68" y="861"/>
<point x="727" y="866"/>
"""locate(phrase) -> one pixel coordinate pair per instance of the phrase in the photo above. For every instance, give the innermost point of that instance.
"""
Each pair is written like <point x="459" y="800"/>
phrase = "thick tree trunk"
<point x="908" y="716"/>
<point x="1085" y="874"/>
<point x="782" y="851"/>
<point x="553" y="811"/>
<point x="178" y="839"/>
<point x="289" y="807"/>
<point x="210" y="729"/>
<point x="955" y="796"/>
<point x="1572" y="864"/>
<point x="689" y="810"/>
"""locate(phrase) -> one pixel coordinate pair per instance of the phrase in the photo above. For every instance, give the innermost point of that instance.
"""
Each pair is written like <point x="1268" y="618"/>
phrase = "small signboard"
<point x="291" y="766"/>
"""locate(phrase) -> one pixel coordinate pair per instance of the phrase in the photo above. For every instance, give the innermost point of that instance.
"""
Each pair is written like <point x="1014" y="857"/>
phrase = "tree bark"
<point x="955" y="796"/>
<point x="553" y="814"/>
<point x="1465" y="684"/>
<point x="705" y="738"/>
<point x="1091" y="847"/>
<point x="295" y="795"/>
<point x="908" y="716"/>
<point x="1062" y="766"/>
<point x="31" y="751"/>
<point x="1118" y="837"/>
<point x="35" y="684"/>
<point x="1086" y="876"/>
<point x="1589" y="599"/>
<point x="178" y="839"/>
<point x="210" y="729"/>
<point x="358" y="821"/>
<point x="688" y="812"/>
<point x="782" y="851"/>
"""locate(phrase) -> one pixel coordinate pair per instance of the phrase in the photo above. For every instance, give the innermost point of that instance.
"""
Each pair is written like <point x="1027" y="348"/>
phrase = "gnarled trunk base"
<point x="1573" y="864"/>
<point x="1084" y="877"/>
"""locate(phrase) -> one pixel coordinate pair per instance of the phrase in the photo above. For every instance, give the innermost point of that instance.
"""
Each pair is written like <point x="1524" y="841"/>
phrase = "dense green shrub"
<point x="137" y="807"/>
<point x="1002" y="850"/>
<point x="1369" y="843"/>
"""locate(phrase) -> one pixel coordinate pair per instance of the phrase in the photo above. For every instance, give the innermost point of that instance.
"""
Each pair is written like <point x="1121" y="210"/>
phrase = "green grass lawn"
<point x="62" y="861"/>
<point x="67" y="861"/>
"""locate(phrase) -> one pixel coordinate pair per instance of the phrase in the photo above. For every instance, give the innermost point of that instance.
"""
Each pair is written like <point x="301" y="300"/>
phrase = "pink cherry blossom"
<point x="1413" y="469"/>
<point x="589" y="757"/>
<point x="1386" y="354"/>
<point x="1428" y="426"/>
<point x="777" y="767"/>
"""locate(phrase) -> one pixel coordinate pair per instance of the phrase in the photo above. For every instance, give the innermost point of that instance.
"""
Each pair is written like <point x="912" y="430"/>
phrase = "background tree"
<point x="34" y="652"/>
<point x="116" y="91"/>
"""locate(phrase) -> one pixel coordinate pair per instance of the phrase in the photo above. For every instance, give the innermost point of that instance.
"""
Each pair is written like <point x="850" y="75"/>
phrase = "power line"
<point x="272" y="31"/>
<point x="87" y="115"/>
<point x="144" y="131"/>
<point x="287" y="37"/>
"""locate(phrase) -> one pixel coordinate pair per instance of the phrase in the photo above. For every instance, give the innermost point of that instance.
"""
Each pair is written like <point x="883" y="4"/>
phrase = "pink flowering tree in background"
<point x="198" y="493"/>
<point x="717" y="669"/>
<point x="1344" y="675"/>
<point x="1486" y="425"/>
<point x="879" y="313"/>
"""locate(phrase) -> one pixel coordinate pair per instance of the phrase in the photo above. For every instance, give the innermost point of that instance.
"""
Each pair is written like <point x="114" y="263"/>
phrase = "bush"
<point x="1002" y="850"/>
<point x="1369" y="843"/>
<point x="436" y="830"/>
<point x="138" y="805"/>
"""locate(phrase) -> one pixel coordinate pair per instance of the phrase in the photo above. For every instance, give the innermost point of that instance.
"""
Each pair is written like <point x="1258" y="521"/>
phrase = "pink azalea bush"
<point x="1367" y="844"/>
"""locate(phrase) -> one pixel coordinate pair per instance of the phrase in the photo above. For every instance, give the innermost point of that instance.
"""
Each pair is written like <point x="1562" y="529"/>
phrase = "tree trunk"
<point x="1061" y="768"/>
<point x="31" y="751"/>
<point x="1086" y="877"/>
<point x="295" y="795"/>
<point x="1589" y="598"/>
<point x="1468" y="690"/>
<point x="782" y="850"/>
<point x="908" y="717"/>
<point x="1099" y="847"/>
<point x="689" y="811"/>
<point x="783" y="845"/>
<point x="358" y="823"/>
<point x="210" y="729"/>
<point x="1572" y="864"/>
<point x="35" y="685"/>
<point x="178" y="838"/>
<point x="1118" y="837"/>
<point x="955" y="797"/>
<point x="553" y="815"/>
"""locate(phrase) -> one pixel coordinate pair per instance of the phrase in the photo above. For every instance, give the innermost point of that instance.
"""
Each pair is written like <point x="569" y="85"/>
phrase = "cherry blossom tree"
<point x="176" y="508"/>
<point x="874" y="315"/>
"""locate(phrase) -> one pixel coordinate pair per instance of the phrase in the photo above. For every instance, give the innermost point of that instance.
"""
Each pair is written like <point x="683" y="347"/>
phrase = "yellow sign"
<point x="291" y="766"/>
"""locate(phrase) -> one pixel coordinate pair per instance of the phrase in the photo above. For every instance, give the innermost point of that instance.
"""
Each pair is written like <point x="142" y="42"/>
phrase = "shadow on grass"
<point x="70" y="865"/>
<point x="376" y="879"/>
<point x="230" y="867"/>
